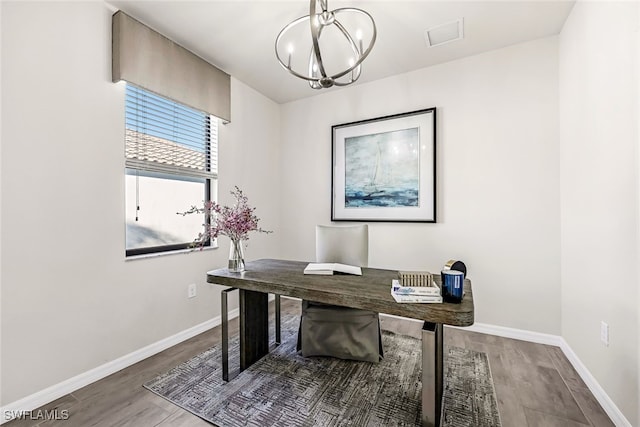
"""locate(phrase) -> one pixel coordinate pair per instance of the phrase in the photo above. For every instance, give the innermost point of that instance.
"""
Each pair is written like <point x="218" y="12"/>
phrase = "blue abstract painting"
<point x="382" y="169"/>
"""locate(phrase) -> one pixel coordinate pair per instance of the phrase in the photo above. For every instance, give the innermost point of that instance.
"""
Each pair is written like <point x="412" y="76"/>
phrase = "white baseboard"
<point x="501" y="331"/>
<point x="516" y="334"/>
<point x="617" y="417"/>
<point x="56" y="391"/>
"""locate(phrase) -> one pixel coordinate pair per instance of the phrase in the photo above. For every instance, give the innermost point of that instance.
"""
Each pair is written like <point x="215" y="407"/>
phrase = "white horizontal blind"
<point x="165" y="136"/>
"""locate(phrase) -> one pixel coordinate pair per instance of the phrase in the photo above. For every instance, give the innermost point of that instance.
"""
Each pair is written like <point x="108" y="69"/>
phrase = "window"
<point x="171" y="164"/>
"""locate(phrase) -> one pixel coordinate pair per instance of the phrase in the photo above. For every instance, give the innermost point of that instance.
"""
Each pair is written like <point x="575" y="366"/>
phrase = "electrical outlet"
<point x="604" y="333"/>
<point x="191" y="291"/>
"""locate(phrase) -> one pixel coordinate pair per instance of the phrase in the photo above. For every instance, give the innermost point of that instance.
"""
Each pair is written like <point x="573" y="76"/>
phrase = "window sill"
<point x="168" y="253"/>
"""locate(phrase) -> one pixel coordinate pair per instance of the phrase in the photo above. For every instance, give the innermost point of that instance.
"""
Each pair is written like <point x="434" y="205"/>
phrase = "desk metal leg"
<point x="254" y="327"/>
<point x="432" y="373"/>
<point x="225" y="333"/>
<point x="278" y="337"/>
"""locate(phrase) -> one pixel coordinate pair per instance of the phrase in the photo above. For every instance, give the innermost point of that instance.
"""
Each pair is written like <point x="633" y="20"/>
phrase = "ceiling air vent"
<point x="444" y="33"/>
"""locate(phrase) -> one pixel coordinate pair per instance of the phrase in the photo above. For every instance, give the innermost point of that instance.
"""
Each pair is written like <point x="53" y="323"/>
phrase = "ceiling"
<point x="238" y="36"/>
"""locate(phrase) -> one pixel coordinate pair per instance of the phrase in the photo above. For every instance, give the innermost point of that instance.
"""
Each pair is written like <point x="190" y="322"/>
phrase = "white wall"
<point x="599" y="193"/>
<point x="70" y="301"/>
<point x="637" y="106"/>
<point x="498" y="177"/>
<point x="1" y="116"/>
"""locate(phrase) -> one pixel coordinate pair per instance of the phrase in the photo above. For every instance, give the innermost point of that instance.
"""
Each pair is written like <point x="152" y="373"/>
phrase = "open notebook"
<point x="331" y="268"/>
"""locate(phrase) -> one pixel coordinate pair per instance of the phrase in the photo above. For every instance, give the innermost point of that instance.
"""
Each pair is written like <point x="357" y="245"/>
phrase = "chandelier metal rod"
<point x="314" y="22"/>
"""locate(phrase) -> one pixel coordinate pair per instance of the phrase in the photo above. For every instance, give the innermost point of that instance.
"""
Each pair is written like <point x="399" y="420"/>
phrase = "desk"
<point x="370" y="291"/>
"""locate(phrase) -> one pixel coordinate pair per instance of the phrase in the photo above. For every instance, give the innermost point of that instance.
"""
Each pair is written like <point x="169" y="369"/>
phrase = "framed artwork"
<point x="384" y="169"/>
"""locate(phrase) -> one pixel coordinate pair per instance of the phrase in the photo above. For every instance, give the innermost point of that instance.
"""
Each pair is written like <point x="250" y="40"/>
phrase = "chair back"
<point x="343" y="244"/>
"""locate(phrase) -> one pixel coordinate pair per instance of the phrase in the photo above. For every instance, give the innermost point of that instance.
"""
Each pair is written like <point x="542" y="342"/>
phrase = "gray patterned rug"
<point x="286" y="389"/>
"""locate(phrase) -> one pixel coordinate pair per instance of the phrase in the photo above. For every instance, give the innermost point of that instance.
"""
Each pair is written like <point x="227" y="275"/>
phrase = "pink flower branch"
<point x="235" y="222"/>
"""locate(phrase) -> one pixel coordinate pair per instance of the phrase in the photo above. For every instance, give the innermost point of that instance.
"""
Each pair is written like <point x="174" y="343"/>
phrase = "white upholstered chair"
<point x="342" y="332"/>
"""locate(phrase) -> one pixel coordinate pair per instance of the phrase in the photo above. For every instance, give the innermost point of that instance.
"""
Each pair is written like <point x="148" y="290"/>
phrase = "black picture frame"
<point x="384" y="169"/>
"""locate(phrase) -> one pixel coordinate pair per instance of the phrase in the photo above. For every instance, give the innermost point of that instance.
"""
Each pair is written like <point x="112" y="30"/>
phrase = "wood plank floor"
<point x="535" y="384"/>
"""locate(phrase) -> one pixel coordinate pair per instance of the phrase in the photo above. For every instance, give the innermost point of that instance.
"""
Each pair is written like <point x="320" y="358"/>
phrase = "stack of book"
<point x="407" y="289"/>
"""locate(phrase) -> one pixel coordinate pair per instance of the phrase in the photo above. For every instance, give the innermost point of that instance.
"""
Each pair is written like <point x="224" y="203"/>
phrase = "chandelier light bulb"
<point x="290" y="50"/>
<point x="319" y="73"/>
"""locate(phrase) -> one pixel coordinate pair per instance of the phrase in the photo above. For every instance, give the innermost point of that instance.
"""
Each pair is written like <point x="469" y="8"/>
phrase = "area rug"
<point x="286" y="389"/>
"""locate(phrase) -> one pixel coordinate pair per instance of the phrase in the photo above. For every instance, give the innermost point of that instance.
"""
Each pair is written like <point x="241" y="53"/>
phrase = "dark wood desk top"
<point x="370" y="291"/>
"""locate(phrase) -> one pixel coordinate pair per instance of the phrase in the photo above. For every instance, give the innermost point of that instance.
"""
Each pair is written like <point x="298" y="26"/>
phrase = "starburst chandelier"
<point x="335" y="55"/>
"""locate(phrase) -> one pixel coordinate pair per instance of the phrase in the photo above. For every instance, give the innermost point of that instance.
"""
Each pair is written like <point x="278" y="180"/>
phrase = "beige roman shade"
<point x="148" y="59"/>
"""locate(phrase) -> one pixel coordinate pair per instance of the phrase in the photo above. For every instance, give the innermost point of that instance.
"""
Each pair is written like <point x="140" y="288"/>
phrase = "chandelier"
<point x="335" y="55"/>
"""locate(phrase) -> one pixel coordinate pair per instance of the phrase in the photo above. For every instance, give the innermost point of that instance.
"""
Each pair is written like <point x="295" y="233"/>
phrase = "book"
<point x="331" y="268"/>
<point x="420" y="299"/>
<point x="399" y="289"/>
<point x="415" y="278"/>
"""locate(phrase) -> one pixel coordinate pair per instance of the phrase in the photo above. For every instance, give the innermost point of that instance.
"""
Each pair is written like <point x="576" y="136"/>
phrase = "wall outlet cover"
<point x="191" y="291"/>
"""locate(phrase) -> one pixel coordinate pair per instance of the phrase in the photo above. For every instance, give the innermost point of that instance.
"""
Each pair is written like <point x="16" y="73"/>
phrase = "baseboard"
<point x="56" y="391"/>
<point x="36" y="400"/>
<point x="617" y="417"/>
<point x="501" y="331"/>
<point x="516" y="334"/>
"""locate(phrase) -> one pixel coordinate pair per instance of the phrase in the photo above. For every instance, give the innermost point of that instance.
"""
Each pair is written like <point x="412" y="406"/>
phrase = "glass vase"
<point x="236" y="256"/>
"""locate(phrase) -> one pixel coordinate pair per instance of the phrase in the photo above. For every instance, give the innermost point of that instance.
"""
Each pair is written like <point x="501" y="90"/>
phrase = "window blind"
<point x="165" y="136"/>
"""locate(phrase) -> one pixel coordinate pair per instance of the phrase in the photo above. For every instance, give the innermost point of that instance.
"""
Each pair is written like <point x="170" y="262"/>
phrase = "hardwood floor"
<point x="535" y="384"/>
